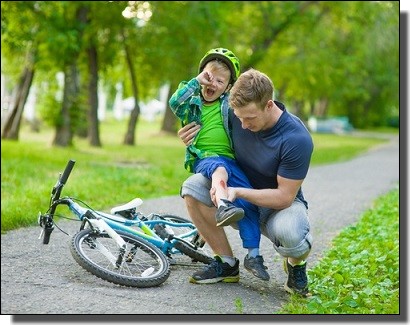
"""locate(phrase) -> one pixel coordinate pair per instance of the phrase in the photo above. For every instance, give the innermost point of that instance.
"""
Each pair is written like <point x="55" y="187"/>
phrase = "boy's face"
<point x="218" y="86"/>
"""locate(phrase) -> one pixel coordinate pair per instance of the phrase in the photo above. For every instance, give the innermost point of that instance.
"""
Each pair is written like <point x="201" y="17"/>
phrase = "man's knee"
<point x="289" y="231"/>
<point x="294" y="247"/>
<point x="197" y="186"/>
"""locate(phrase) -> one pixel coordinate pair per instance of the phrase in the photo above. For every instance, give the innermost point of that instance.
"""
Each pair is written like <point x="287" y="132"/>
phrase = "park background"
<point x="77" y="62"/>
<point x="91" y="80"/>
<point x="69" y="70"/>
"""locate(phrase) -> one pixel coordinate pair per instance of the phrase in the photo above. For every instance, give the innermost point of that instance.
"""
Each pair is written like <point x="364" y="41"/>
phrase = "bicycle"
<point x="124" y="246"/>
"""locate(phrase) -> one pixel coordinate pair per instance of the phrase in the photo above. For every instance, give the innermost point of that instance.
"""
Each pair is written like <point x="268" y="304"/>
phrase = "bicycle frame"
<point x="137" y="226"/>
<point x="135" y="223"/>
<point x="124" y="246"/>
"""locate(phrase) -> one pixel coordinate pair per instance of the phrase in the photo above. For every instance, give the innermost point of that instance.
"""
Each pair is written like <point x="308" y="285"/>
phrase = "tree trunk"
<point x="11" y="126"/>
<point x="129" y="138"/>
<point x="297" y="108"/>
<point x="169" y="123"/>
<point x="64" y="130"/>
<point x="81" y="126"/>
<point x="93" y="124"/>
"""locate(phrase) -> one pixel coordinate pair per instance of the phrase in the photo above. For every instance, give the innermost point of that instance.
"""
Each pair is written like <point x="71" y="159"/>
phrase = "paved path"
<point x="44" y="279"/>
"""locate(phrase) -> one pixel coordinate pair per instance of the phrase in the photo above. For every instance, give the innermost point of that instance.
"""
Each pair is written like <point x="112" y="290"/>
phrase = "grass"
<point x="330" y="148"/>
<point x="114" y="173"/>
<point x="360" y="273"/>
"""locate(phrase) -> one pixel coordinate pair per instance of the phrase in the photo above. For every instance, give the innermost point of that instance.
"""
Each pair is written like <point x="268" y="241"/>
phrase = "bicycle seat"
<point x="127" y="206"/>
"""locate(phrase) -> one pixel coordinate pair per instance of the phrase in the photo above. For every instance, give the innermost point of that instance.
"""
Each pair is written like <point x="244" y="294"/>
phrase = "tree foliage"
<point x="325" y="57"/>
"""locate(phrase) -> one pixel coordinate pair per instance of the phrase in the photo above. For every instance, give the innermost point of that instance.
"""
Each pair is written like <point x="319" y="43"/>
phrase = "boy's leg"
<point x="220" y="183"/>
<point x="218" y="170"/>
<point x="249" y="227"/>
<point x="249" y="231"/>
<point x="227" y="212"/>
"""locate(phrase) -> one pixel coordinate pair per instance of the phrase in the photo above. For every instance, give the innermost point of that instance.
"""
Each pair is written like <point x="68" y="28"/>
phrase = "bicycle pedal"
<point x="172" y="261"/>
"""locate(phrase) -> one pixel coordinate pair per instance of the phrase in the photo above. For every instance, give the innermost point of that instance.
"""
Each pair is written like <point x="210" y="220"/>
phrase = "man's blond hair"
<point x="252" y="86"/>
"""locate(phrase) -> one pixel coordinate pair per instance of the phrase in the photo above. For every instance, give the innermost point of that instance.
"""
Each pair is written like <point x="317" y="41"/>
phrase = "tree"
<point x="21" y="50"/>
<point x="65" y="128"/>
<point x="129" y="138"/>
<point x="325" y="58"/>
<point x="11" y="126"/>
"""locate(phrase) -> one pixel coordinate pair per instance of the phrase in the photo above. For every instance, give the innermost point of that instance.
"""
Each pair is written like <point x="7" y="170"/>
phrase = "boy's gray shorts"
<point x="287" y="229"/>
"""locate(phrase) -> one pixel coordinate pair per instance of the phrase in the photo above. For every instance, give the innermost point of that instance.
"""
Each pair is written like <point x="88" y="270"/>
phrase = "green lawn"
<point x="360" y="273"/>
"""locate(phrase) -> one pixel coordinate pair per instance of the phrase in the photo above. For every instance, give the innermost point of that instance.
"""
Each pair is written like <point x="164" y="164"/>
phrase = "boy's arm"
<point x="183" y="97"/>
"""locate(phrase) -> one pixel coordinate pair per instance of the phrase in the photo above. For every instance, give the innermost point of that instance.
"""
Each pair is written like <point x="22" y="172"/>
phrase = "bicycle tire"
<point x="147" y="257"/>
<point x="195" y="252"/>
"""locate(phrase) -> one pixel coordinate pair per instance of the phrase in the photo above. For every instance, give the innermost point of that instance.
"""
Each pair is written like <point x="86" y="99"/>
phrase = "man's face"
<point x="253" y="117"/>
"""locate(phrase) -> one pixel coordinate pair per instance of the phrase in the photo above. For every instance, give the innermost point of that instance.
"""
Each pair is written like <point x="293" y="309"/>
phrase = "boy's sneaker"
<point x="256" y="267"/>
<point x="297" y="279"/>
<point x="227" y="214"/>
<point x="217" y="271"/>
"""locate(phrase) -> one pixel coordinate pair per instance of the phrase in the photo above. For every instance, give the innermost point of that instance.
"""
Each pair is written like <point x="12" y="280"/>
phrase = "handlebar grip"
<point x="67" y="171"/>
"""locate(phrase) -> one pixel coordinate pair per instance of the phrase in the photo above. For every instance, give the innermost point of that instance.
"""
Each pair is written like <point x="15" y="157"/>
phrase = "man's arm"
<point x="279" y="198"/>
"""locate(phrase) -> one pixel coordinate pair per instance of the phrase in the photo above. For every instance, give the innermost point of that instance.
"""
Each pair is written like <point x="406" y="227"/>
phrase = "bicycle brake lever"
<point x="47" y="226"/>
<point x="41" y="233"/>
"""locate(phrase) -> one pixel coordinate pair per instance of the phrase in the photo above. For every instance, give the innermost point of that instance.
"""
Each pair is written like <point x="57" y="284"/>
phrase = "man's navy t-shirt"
<point x="283" y="150"/>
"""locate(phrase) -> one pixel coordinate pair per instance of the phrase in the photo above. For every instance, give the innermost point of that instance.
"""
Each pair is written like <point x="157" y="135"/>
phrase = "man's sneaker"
<point x="227" y="214"/>
<point x="297" y="279"/>
<point x="256" y="267"/>
<point x="217" y="271"/>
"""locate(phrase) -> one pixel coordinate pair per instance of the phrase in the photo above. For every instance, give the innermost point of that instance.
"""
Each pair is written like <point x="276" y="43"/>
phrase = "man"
<point x="273" y="148"/>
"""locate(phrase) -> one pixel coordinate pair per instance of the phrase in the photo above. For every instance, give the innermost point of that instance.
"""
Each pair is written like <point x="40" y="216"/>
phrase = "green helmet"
<point x="226" y="56"/>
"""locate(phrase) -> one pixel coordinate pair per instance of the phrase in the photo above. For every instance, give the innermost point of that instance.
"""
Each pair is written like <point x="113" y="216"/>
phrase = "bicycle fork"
<point x="101" y="225"/>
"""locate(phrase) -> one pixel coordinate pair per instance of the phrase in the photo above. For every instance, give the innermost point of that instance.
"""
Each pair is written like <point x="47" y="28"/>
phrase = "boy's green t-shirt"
<point x="212" y="137"/>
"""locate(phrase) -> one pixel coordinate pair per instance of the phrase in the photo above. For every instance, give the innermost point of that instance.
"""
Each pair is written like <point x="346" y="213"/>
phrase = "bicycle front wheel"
<point x="140" y="264"/>
<point x="191" y="246"/>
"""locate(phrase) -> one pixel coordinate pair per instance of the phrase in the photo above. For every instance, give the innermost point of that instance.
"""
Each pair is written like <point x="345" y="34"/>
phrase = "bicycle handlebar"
<point x="46" y="221"/>
<point x="67" y="171"/>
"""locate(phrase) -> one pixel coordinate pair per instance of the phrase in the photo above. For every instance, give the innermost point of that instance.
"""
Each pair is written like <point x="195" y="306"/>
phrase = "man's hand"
<point x="231" y="194"/>
<point x="212" y="192"/>
<point x="188" y="132"/>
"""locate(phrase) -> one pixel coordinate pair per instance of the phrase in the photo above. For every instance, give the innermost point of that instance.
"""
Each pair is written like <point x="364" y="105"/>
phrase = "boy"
<point x="204" y="100"/>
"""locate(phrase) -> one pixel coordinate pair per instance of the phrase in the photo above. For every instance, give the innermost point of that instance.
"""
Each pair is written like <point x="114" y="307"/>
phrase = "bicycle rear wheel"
<point x="192" y="246"/>
<point x="140" y="265"/>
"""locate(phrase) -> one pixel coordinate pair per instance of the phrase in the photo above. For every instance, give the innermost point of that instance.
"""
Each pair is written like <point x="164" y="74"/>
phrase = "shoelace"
<point x="259" y="262"/>
<point x="215" y="265"/>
